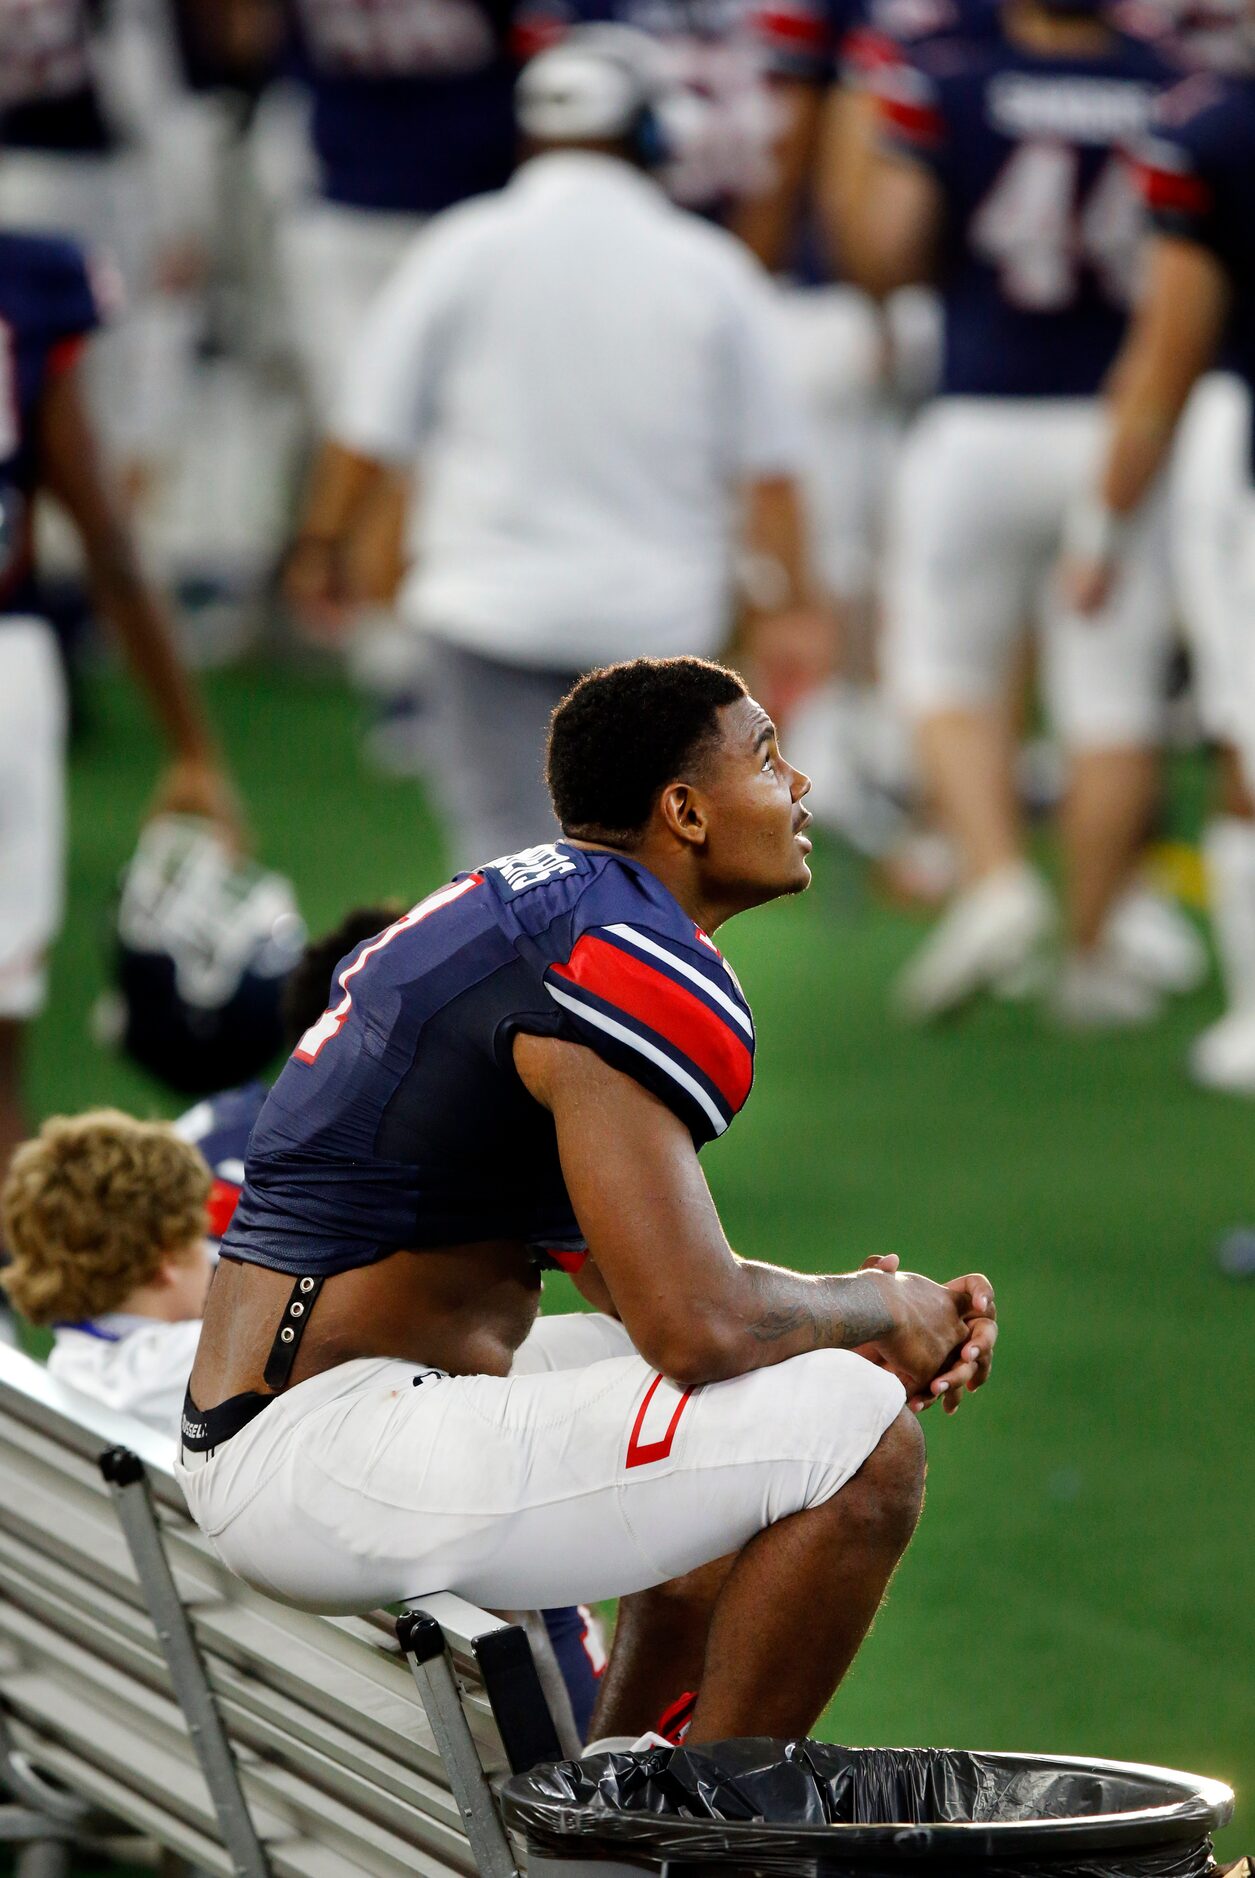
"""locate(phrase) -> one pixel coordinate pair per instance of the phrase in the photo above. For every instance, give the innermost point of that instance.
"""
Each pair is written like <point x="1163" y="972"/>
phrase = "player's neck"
<point x="679" y="873"/>
<point x="1039" y="28"/>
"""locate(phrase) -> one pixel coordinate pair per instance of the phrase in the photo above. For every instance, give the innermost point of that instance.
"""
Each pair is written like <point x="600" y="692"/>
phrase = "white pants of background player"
<point x="1213" y="545"/>
<point x="978" y="511"/>
<point x="582" y="1475"/>
<point x="334" y="260"/>
<point x="32" y="810"/>
<point x="1212" y="503"/>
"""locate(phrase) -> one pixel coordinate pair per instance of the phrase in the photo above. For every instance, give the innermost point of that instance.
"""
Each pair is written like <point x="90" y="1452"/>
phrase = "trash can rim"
<point x="1199" y="1804"/>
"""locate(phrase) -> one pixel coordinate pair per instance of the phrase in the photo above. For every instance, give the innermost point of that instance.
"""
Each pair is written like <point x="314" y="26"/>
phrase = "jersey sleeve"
<point x="1174" y="174"/>
<point x="662" y="1013"/>
<point x="910" y="111"/>
<point x="803" y="39"/>
<point x="78" y="293"/>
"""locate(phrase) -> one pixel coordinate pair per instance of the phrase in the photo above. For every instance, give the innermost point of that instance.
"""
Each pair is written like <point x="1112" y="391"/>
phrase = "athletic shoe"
<point x="1151" y="937"/>
<point x="1095" y="991"/>
<point x="1223" y="1057"/>
<point x="626" y="1744"/>
<point x="991" y="938"/>
<point x="1235" y="1253"/>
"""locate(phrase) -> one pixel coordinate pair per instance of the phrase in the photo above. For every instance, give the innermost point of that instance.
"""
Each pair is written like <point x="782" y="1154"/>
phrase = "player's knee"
<point x="845" y="1404"/>
<point x="886" y="1496"/>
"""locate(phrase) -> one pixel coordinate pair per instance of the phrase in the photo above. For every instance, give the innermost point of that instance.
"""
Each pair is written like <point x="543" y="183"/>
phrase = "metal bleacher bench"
<point x="146" y="1691"/>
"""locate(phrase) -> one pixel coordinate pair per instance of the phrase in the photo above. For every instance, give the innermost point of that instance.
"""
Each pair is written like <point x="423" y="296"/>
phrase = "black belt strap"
<point x="291" y="1329"/>
<point x="206" y="1429"/>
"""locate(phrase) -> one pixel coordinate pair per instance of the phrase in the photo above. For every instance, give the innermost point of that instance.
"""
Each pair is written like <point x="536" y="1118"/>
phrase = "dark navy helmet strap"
<point x="291" y="1329"/>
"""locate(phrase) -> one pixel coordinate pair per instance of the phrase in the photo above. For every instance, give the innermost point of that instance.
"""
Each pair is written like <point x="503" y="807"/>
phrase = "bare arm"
<point x="691" y="1307"/>
<point x="847" y="156"/>
<point x="345" y="491"/>
<point x="71" y="469"/>
<point x="790" y="636"/>
<point x="890" y="226"/>
<point x="767" y="222"/>
<point x="593" y="1288"/>
<point x="1174" y="337"/>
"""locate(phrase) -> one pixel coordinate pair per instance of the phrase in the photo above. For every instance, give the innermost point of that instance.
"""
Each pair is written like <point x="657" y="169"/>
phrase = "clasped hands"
<point x="943" y="1339"/>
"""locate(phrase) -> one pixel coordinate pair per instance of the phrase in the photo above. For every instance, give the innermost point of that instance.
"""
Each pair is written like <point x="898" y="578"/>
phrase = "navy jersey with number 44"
<point x="48" y="304"/>
<point x="1043" y="222"/>
<point x="400" y="1121"/>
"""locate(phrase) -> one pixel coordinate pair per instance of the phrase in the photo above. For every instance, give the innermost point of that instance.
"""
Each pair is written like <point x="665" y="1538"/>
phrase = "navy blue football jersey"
<point x="412" y="100"/>
<point x="400" y="1121"/>
<point x="48" y="95"/>
<point x="49" y="301"/>
<point x="823" y="41"/>
<point x="1043" y="222"/>
<point x="1198" y="178"/>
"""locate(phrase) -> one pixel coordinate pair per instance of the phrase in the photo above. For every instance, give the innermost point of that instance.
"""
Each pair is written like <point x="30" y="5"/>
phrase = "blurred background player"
<point x="1199" y="297"/>
<point x="858" y="367"/>
<point x="49" y="305"/>
<point x="585" y="379"/>
<point x="409" y="111"/>
<point x="1003" y="175"/>
<point x="104" y="1220"/>
<point x="86" y="89"/>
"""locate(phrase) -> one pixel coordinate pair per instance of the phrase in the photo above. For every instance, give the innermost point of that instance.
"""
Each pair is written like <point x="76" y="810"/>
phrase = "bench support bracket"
<point x="422" y="1640"/>
<point x="128" y="1484"/>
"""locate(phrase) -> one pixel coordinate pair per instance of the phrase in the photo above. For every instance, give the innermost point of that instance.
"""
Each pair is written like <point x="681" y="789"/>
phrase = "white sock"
<point x="1229" y="850"/>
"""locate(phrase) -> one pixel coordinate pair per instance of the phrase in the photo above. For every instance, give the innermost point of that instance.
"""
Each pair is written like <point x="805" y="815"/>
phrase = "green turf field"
<point x="1082" y="1580"/>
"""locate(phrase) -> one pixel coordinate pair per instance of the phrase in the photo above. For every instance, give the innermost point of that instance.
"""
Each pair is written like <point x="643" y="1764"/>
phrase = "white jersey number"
<point x="1041" y="234"/>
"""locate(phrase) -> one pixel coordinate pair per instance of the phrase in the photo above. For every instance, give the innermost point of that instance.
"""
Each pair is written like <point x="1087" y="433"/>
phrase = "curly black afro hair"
<point x="626" y="731"/>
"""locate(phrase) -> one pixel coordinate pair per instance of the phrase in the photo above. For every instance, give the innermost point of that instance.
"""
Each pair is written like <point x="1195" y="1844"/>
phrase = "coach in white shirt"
<point x="583" y="378"/>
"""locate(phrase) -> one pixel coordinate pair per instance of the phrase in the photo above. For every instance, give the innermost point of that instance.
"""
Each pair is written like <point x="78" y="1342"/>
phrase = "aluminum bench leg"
<point x="422" y="1640"/>
<point x="128" y="1484"/>
<point x="45" y="1822"/>
<point x="45" y="1858"/>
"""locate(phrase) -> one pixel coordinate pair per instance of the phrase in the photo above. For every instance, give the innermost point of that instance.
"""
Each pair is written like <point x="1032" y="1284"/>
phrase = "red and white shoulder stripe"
<point x="910" y="111"/>
<point x="674" y="1018"/>
<point x="1169" y="183"/>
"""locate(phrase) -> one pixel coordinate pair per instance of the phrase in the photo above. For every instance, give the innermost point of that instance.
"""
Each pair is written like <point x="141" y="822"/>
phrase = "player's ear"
<point x="683" y="809"/>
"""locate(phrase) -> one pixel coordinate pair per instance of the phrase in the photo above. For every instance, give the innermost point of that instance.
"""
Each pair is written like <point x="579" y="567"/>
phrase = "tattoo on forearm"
<point x="783" y="1321"/>
<point x="864" y="1317"/>
<point x="843" y="1314"/>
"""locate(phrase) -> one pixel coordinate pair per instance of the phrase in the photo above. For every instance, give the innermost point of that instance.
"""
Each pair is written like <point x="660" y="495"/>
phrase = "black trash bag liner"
<point x="762" y="1806"/>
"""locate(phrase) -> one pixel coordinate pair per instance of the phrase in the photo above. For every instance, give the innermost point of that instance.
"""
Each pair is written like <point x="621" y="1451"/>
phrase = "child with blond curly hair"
<point x="104" y="1221"/>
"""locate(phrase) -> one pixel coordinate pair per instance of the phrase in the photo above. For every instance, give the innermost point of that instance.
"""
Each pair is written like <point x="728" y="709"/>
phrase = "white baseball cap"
<point x="594" y="84"/>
